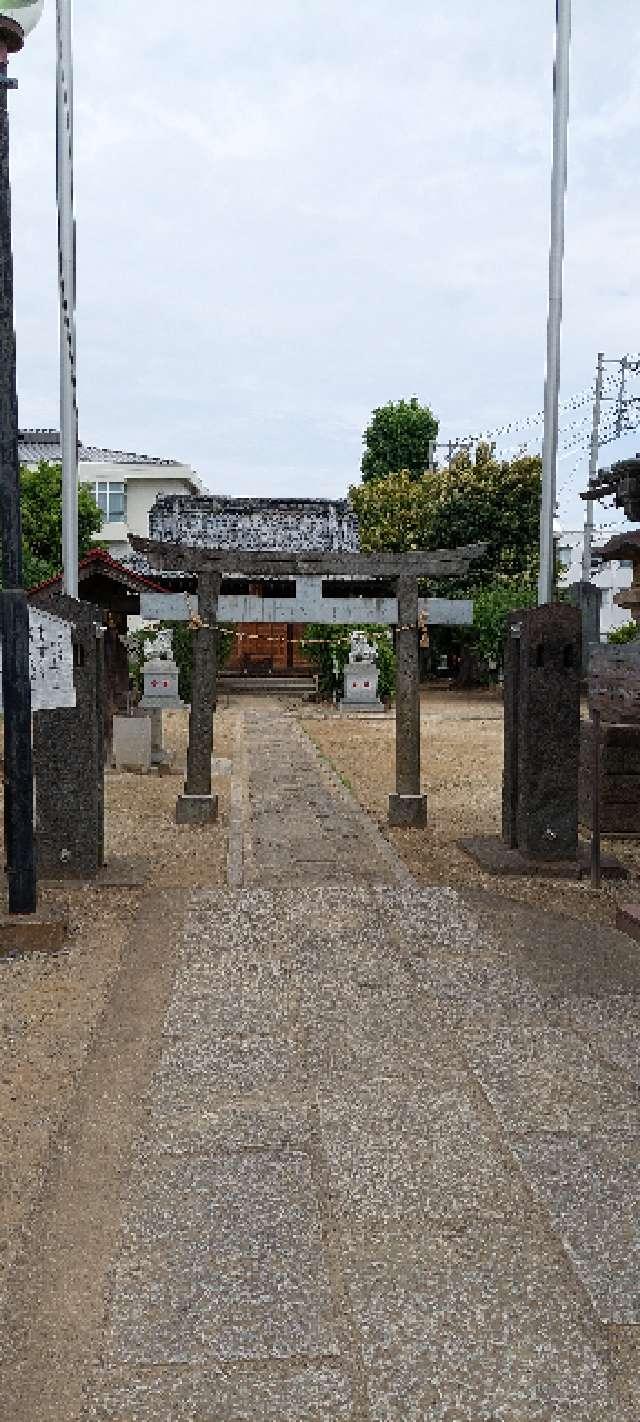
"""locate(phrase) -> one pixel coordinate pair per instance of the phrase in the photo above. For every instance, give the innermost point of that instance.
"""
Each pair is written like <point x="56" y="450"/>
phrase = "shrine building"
<point x="288" y="525"/>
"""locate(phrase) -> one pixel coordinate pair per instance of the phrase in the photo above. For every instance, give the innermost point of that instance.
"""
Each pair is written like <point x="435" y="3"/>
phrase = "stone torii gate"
<point x="408" y="806"/>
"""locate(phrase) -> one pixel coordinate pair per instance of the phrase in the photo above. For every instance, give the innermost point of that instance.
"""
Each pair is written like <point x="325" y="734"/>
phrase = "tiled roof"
<point x="228" y="503"/>
<point x="98" y="560"/>
<point x="140" y="566"/>
<point x="622" y="545"/>
<point x="37" y="445"/>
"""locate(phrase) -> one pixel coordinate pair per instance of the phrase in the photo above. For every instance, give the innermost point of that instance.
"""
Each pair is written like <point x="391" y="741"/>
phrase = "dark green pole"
<point x="16" y="685"/>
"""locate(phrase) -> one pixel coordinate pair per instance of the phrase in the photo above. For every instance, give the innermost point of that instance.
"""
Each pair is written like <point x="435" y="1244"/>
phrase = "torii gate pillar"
<point x="408" y="807"/>
<point x="197" y="804"/>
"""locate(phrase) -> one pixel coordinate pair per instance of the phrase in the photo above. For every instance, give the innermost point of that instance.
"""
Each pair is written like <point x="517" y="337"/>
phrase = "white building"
<point x="125" y="486"/>
<point x="610" y="577"/>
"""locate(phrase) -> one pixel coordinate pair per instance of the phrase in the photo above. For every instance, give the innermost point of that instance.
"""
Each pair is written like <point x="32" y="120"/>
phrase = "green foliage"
<point x="41" y="507"/>
<point x="182" y="652"/>
<point x="328" y="648"/>
<point x="628" y="633"/>
<point x="398" y="437"/>
<point x="491" y="607"/>
<point x="492" y="501"/>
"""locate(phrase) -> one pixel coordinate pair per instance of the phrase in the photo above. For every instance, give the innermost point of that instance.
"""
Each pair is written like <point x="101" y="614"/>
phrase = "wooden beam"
<point x="422" y="563"/>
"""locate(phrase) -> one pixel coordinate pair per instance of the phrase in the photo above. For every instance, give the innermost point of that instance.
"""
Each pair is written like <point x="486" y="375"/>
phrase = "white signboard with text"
<point x="51" y="662"/>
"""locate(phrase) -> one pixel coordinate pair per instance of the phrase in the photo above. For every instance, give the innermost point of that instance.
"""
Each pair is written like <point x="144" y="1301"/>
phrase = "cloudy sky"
<point x="292" y="211"/>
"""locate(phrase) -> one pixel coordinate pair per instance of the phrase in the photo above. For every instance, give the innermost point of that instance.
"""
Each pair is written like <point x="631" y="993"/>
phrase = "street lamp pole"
<point x="16" y="684"/>
<point x="67" y="279"/>
<point x="556" y="257"/>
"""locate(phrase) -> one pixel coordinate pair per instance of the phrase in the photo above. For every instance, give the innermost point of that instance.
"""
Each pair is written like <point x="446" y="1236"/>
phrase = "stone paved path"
<point x="390" y="1165"/>
<point x="300" y="826"/>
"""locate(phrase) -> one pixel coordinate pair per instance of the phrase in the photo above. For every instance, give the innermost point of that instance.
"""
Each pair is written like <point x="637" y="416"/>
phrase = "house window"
<point x="111" y="499"/>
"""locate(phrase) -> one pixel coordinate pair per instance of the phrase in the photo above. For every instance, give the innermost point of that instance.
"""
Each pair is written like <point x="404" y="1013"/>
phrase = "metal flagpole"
<point x="556" y="256"/>
<point x="67" y="277"/>
<point x="593" y="470"/>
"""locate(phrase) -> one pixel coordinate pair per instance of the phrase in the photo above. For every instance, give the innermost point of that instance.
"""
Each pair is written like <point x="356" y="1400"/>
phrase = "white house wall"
<point x="611" y="577"/>
<point x="143" y="486"/>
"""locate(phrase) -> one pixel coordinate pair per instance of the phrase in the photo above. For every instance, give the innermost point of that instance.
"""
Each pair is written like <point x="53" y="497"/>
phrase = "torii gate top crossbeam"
<point x="421" y="563"/>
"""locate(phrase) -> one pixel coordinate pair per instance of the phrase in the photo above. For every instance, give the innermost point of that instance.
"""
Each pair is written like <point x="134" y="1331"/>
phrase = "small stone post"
<point x="408" y="807"/>
<point x="197" y="805"/>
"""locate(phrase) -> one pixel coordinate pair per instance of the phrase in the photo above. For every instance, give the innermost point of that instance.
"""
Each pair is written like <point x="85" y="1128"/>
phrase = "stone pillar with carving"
<point x="197" y="804"/>
<point x="408" y="807"/>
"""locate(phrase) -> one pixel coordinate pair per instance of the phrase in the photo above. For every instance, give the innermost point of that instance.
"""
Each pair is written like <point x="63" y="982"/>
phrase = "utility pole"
<point x="593" y="470"/>
<point x="554" y="323"/>
<point x="621" y="396"/>
<point x="67" y="279"/>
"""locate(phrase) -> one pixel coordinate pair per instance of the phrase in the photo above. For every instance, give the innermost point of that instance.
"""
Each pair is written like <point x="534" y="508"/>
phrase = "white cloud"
<point x="290" y="213"/>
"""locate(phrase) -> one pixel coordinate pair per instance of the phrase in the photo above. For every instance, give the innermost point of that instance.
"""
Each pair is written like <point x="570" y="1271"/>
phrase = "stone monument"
<point x="361" y="676"/>
<point x="68" y="754"/>
<point x="614" y="691"/>
<point x="542" y="670"/>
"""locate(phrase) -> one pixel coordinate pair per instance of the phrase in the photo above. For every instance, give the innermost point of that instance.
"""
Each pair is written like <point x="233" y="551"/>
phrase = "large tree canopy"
<point x="398" y="437"/>
<point x="41" y="507"/>
<point x="485" y="500"/>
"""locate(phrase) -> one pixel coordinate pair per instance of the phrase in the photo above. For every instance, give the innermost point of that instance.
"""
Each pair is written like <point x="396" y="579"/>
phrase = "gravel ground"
<point x="462" y="742"/>
<point x="49" y="1007"/>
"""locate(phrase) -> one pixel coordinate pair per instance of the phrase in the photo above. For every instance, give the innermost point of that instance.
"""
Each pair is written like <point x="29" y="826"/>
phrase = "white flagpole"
<point x="67" y="277"/>
<point x="556" y="256"/>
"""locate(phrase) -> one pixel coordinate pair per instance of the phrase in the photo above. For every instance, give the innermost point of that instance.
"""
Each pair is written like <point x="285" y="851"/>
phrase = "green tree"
<point x="491" y="607"/>
<point x="629" y="632"/>
<point x="398" y="437"/>
<point x="41" y="507"/>
<point x="468" y="501"/>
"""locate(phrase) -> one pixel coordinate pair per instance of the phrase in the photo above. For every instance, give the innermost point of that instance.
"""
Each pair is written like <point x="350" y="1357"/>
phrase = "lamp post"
<point x="17" y="19"/>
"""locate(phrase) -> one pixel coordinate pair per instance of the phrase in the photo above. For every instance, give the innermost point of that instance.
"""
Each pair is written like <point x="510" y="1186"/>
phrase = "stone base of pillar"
<point x="196" y="809"/>
<point x="408" y="811"/>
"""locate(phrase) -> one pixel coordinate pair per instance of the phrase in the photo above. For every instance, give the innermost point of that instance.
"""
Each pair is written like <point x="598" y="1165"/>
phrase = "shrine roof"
<point x="98" y="561"/>
<point x="622" y="545"/>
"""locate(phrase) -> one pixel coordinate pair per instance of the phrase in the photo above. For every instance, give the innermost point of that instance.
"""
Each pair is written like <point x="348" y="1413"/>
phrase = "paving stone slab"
<point x="311" y="1394"/>
<point x="183" y="1124"/>
<point x="625" y="1363"/>
<point x="222" y="1258"/>
<point x="543" y="1077"/>
<point x="197" y="1068"/>
<point x="410" y="1151"/>
<point x="591" y="1186"/>
<point x="485" y="1316"/>
<point x="611" y="1024"/>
